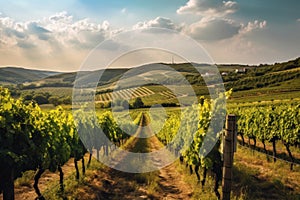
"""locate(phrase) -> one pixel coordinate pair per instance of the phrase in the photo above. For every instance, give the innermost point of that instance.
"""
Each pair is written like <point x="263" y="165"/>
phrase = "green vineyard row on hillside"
<point x="187" y="133"/>
<point x="269" y="123"/>
<point x="31" y="139"/>
<point x="265" y="123"/>
<point x="123" y="94"/>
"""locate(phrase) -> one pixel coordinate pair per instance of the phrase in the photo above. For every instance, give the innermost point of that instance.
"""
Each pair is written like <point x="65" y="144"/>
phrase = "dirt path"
<point x="170" y="182"/>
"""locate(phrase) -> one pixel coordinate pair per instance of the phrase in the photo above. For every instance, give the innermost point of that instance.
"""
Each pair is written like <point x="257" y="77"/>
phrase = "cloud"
<point x="39" y="31"/>
<point x="58" y="30"/>
<point x="159" y="22"/>
<point x="251" y="26"/>
<point x="55" y="40"/>
<point x="25" y="44"/>
<point x="61" y="17"/>
<point x="10" y="32"/>
<point x="81" y="33"/>
<point x="213" y="24"/>
<point x="212" y="29"/>
<point x="62" y="40"/>
<point x="208" y="8"/>
<point x="298" y="20"/>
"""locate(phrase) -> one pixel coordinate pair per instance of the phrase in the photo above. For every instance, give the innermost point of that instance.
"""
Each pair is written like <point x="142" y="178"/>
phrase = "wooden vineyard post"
<point x="229" y="147"/>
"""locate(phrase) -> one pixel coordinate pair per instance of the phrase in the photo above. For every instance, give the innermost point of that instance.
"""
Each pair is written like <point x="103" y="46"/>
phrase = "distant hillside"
<point x="274" y="79"/>
<point x="16" y="75"/>
<point x="262" y="76"/>
<point x="67" y="79"/>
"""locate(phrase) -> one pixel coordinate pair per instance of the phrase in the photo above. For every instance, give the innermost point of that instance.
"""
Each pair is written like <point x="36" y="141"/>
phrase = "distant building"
<point x="207" y="74"/>
<point x="242" y="70"/>
<point x="224" y="74"/>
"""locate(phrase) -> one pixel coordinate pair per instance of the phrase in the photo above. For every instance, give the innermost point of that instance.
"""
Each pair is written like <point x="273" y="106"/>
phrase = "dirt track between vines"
<point x="170" y="182"/>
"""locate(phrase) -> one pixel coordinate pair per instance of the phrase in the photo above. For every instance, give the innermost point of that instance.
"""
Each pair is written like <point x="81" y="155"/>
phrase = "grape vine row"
<point x="269" y="123"/>
<point x="31" y="139"/>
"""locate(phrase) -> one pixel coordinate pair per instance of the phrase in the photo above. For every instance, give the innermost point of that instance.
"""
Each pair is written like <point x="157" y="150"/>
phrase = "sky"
<point x="59" y="35"/>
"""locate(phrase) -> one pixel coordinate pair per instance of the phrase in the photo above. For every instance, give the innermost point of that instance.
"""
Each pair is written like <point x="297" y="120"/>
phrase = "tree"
<point x="27" y="96"/>
<point x="138" y="103"/>
<point x="124" y="104"/>
<point x="120" y="104"/>
<point x="40" y="99"/>
<point x="66" y="100"/>
<point x="54" y="100"/>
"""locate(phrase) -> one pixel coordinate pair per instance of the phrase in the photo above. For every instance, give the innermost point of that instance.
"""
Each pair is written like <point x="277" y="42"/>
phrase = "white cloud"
<point x="81" y="33"/>
<point x="61" y="17"/>
<point x="60" y="29"/>
<point x="55" y="40"/>
<point x="159" y="22"/>
<point x="253" y="26"/>
<point x="212" y="29"/>
<point x="213" y="24"/>
<point x="208" y="8"/>
<point x="63" y="40"/>
<point x="10" y="32"/>
<point x="298" y="20"/>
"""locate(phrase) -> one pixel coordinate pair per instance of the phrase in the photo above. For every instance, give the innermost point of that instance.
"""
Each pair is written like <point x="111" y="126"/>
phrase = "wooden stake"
<point x="228" y="151"/>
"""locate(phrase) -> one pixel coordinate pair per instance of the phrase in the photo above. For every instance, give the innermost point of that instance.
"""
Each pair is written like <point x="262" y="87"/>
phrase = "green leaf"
<point x="7" y="106"/>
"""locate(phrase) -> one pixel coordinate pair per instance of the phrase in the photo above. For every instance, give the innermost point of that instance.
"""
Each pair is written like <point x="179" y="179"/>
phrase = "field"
<point x="123" y="94"/>
<point x="50" y="151"/>
<point x="285" y="91"/>
<point x="57" y="91"/>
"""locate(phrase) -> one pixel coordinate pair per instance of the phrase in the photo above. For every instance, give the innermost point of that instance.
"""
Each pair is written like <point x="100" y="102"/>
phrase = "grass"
<point x="280" y="149"/>
<point x="205" y="193"/>
<point x="75" y="189"/>
<point x="25" y="179"/>
<point x="254" y="177"/>
<point x="261" y="103"/>
<point x="257" y="178"/>
<point x="56" y="91"/>
<point x="261" y="96"/>
<point x="280" y="91"/>
<point x="47" y="107"/>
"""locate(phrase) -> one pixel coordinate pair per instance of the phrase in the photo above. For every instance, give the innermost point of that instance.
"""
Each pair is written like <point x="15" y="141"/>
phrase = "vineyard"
<point x="155" y="93"/>
<point x="35" y="140"/>
<point x="32" y="139"/>
<point x="123" y="94"/>
<point x="271" y="124"/>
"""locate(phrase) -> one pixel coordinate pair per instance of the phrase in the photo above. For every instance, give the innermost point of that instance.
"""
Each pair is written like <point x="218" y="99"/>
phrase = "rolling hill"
<point x="249" y="83"/>
<point x="17" y="75"/>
